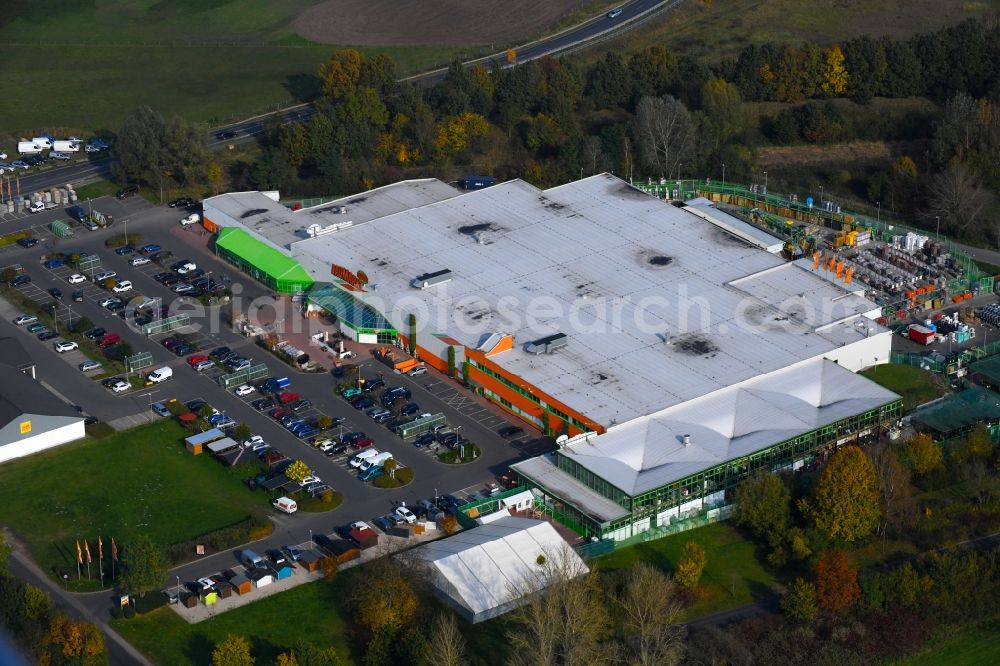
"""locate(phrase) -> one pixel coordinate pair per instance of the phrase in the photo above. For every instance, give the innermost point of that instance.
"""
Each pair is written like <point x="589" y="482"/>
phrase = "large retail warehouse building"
<point x="672" y="345"/>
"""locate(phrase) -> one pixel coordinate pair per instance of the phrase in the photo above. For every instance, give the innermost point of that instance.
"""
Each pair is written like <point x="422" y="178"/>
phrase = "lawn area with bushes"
<point x="137" y="481"/>
<point x="402" y="477"/>
<point x="455" y="457"/>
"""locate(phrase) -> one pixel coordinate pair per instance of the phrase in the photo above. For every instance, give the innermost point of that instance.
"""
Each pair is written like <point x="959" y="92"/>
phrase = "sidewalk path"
<point x="120" y="651"/>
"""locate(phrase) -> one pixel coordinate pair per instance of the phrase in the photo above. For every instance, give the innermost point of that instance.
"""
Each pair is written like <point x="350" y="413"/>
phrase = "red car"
<point x="279" y="413"/>
<point x="362" y="443"/>
<point x="109" y="340"/>
<point x="287" y="397"/>
<point x="196" y="358"/>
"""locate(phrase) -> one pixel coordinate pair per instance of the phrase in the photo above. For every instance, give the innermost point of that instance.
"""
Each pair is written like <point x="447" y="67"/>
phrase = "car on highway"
<point x="225" y="135"/>
<point x="65" y="346"/>
<point x="615" y="13"/>
<point x="243" y="389"/>
<point x="76" y="278"/>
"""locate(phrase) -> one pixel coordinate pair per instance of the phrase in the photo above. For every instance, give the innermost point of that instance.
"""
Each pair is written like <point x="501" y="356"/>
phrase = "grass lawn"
<point x="137" y="481"/>
<point x="915" y="385"/>
<point x="204" y="59"/>
<point x="317" y="618"/>
<point x="717" y="30"/>
<point x="734" y="575"/>
<point x="967" y="646"/>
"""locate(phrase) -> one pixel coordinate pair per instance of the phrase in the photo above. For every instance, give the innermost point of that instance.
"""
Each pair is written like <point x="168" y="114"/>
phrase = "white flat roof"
<point x="281" y="226"/>
<point x="642" y="289"/>
<point x="649" y="452"/>
<point x="734" y="225"/>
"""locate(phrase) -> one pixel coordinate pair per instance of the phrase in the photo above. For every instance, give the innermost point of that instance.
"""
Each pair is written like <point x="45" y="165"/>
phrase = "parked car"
<point x="120" y="386"/>
<point x="66" y="346"/>
<point x="28" y="241"/>
<point x="424" y="439"/>
<point x="122" y="287"/>
<point x="94" y="333"/>
<point x="202" y="366"/>
<point x="37" y="328"/>
<point x="287" y="397"/>
<point x="45" y="336"/>
<point x="138" y="261"/>
<point x="77" y="296"/>
<point x="124" y="250"/>
<point x="127" y="192"/>
<point x="404" y="514"/>
<point x="20" y="280"/>
<point x="25" y="319"/>
<point x="509" y="432"/>
<point x="409" y="408"/>
<point x="244" y="389"/>
<point x="262" y="403"/>
<point x="193" y="218"/>
<point x="362" y="403"/>
<point x="300" y="405"/>
<point x="293" y="553"/>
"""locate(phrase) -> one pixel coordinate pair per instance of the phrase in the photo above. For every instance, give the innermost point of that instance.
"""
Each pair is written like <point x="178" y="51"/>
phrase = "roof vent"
<point x="687" y="440"/>
<point x="548" y="344"/>
<point x="427" y="280"/>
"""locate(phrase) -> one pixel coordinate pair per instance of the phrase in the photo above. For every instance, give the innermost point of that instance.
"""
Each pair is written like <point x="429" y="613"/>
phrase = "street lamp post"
<point x="723" y="176"/>
<point x="821" y="196"/>
<point x="765" y="182"/>
<point x="937" y="233"/>
<point x="878" y="214"/>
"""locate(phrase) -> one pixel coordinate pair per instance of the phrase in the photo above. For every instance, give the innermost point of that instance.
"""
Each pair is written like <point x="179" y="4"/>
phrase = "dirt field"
<point x="429" y="22"/>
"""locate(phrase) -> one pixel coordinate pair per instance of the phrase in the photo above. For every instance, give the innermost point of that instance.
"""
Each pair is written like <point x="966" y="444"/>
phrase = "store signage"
<point x="25" y="427"/>
<point x="357" y="280"/>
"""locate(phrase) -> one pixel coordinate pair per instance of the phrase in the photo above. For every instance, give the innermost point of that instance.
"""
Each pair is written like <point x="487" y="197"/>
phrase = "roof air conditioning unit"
<point x="548" y="344"/>
<point x="428" y="280"/>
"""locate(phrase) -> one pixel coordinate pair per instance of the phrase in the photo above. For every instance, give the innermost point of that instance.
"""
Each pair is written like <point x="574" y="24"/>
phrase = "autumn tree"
<point x="144" y="567"/>
<point x="690" y="566"/>
<point x="789" y="85"/>
<point x="650" y="610"/>
<point x="921" y="454"/>
<point x="340" y="74"/>
<point x="233" y="650"/>
<point x="895" y="495"/>
<point x="799" y="603"/>
<point x="70" y="642"/>
<point x="286" y="659"/>
<point x="663" y="129"/>
<point x="565" y="622"/>
<point x="447" y="645"/>
<point x="297" y="471"/>
<point x="722" y="105"/>
<point x="457" y="134"/>
<point x="213" y="174"/>
<point x="764" y="504"/>
<point x="307" y="654"/>
<point x="835" y="76"/>
<point x="845" y="504"/>
<point x="385" y="600"/>
<point x="837" y="588"/>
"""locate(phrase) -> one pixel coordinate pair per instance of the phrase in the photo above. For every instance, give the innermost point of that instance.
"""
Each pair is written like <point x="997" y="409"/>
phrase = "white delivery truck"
<point x="43" y="141"/>
<point x="66" y="146"/>
<point x="28" y="147"/>
<point x="160" y="375"/>
<point x="285" y="504"/>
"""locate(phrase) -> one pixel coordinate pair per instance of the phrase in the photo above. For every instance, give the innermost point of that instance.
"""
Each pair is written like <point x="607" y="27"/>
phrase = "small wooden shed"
<point x="343" y="550"/>
<point x="282" y="571"/>
<point x="195" y="443"/>
<point x="225" y="590"/>
<point x="366" y="538"/>
<point x="241" y="584"/>
<point x="311" y="560"/>
<point x="189" y="600"/>
<point x="261" y="577"/>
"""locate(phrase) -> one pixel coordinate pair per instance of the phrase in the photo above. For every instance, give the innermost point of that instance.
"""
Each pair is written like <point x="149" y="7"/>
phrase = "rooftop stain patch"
<point x="659" y="260"/>
<point x="695" y="344"/>
<point x="252" y="212"/>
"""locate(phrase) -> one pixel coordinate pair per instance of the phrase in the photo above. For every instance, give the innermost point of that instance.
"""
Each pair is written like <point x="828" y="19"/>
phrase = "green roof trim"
<point x="285" y="271"/>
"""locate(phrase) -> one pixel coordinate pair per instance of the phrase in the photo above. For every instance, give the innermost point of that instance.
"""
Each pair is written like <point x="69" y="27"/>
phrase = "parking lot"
<point x="473" y="419"/>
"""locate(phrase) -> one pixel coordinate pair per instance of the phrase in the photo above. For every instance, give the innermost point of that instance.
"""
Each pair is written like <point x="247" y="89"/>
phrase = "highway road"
<point x="593" y="30"/>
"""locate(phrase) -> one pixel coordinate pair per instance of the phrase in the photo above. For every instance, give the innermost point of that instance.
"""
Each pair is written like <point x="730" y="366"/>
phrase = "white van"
<point x="160" y="375"/>
<point x="285" y="504"/>
<point x="363" y="456"/>
<point x="376" y="461"/>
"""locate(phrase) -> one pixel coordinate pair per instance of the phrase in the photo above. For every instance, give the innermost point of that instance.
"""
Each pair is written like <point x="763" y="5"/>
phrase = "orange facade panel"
<point x="552" y="421"/>
<point x="208" y="224"/>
